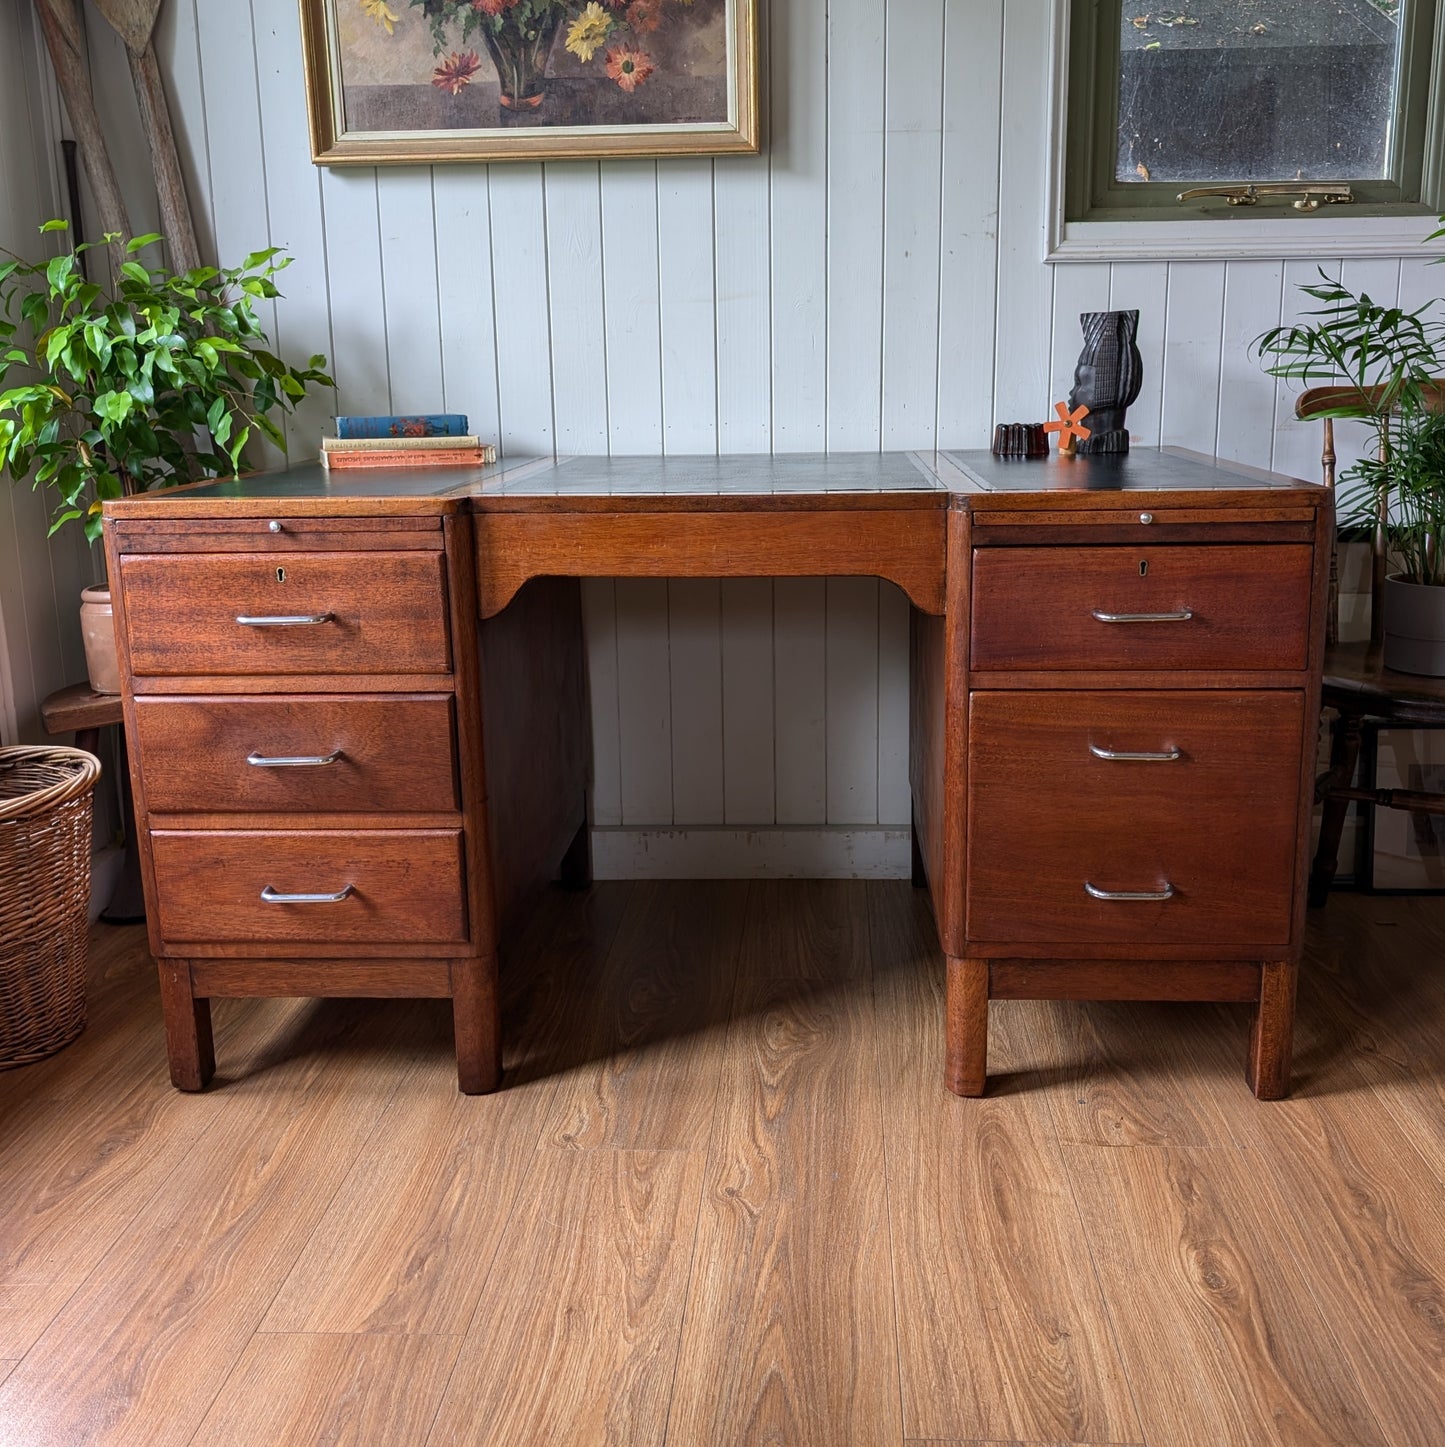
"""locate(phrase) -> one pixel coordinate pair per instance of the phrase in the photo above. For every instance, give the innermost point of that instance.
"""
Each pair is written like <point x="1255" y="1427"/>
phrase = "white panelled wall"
<point x="872" y="280"/>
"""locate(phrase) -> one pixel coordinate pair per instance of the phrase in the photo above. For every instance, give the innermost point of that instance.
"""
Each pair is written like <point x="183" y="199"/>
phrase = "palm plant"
<point x="1383" y="362"/>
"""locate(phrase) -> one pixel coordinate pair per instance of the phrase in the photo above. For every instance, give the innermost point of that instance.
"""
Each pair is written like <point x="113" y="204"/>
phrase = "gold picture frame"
<point x="422" y="81"/>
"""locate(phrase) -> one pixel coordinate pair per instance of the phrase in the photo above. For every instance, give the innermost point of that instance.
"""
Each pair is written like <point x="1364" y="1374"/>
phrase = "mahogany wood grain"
<point x="1020" y="530"/>
<point x="1225" y="1302"/>
<point x="1115" y="979"/>
<point x="610" y="1259"/>
<point x="405" y="886"/>
<point x="255" y="534"/>
<point x="164" y="821"/>
<point x="290" y="1388"/>
<point x="477" y="1023"/>
<point x="1034" y="607"/>
<point x="938" y="735"/>
<point x="388" y="613"/>
<point x="481" y="891"/>
<point x="1002" y="1329"/>
<point x="1224" y="679"/>
<point x="1047" y="817"/>
<point x="368" y="979"/>
<point x="965" y="1061"/>
<point x="902" y="544"/>
<point x="536" y="734"/>
<point x="190" y="1047"/>
<point x="1163" y="513"/>
<point x="646" y="1079"/>
<point x="1272" y="1037"/>
<point x="261" y="684"/>
<point x="196" y="753"/>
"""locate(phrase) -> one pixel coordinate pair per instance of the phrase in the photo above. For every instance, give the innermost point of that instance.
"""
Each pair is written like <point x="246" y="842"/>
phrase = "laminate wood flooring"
<point x="724" y="1199"/>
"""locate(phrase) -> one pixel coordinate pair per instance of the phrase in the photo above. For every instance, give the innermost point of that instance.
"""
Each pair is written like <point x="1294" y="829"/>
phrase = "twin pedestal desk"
<point x="356" y="706"/>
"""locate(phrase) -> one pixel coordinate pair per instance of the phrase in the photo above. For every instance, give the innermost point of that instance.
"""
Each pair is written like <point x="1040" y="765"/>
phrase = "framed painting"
<point x="418" y="81"/>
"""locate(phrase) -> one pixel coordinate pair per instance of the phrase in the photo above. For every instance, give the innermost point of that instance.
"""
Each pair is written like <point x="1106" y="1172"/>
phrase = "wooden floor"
<point x="724" y="1199"/>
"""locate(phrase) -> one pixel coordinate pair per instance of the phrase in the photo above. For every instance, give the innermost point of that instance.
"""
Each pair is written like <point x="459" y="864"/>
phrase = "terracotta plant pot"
<point x="97" y="628"/>
<point x="1414" y="627"/>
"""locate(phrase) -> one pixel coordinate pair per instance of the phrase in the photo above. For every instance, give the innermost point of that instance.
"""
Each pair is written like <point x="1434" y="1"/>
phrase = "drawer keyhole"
<point x="1143" y="568"/>
<point x="281" y="574"/>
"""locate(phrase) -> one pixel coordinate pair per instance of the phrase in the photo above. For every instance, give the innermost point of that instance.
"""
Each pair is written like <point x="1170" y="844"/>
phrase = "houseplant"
<point x="159" y="380"/>
<point x="1384" y="362"/>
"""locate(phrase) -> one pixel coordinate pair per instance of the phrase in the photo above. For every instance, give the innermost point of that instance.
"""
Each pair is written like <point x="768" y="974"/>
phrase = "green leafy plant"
<point x="1384" y="362"/>
<point x="160" y="381"/>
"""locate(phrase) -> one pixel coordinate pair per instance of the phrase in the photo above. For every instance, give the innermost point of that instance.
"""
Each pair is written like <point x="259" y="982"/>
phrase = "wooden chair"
<point x="1364" y="695"/>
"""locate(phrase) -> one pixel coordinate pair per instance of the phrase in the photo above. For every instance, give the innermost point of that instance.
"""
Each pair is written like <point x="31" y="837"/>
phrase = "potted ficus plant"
<point x="1385" y="363"/>
<point x="158" y="380"/>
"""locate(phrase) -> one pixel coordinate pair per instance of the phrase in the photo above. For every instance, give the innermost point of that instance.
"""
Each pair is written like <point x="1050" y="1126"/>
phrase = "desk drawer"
<point x="1224" y="606"/>
<point x="397" y="886"/>
<point x="388" y="754"/>
<point x="354" y="613"/>
<point x="1215" y="825"/>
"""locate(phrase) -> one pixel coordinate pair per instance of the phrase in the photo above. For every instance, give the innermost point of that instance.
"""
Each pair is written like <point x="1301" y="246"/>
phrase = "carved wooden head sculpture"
<point x="1107" y="377"/>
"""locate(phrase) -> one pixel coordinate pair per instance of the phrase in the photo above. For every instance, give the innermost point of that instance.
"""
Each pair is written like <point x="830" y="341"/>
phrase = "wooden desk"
<point x="358" y="714"/>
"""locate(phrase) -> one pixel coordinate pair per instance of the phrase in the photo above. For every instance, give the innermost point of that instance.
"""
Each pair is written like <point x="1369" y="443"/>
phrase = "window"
<point x="1203" y="93"/>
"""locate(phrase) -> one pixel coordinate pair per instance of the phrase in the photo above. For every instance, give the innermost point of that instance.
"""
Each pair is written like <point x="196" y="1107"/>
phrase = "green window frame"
<point x="1091" y="192"/>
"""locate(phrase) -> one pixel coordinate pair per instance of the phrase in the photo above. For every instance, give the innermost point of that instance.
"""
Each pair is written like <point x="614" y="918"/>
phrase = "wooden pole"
<point x="60" y="24"/>
<point x="134" y="21"/>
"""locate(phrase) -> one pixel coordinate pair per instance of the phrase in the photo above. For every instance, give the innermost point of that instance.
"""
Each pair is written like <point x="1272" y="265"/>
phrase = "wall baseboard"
<point x="765" y="853"/>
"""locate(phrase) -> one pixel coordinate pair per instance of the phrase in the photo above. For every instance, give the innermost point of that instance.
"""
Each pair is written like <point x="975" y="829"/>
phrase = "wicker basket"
<point x="45" y="841"/>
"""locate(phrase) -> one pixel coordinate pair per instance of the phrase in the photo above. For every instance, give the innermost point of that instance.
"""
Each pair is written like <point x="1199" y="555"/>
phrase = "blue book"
<point x="437" y="424"/>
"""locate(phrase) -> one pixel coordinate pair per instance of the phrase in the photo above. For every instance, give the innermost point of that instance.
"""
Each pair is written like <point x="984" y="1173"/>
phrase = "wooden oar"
<point x="60" y="24"/>
<point x="135" y="22"/>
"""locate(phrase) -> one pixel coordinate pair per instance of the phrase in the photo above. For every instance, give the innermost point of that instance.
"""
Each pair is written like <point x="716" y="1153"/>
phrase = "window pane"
<point x="1258" y="90"/>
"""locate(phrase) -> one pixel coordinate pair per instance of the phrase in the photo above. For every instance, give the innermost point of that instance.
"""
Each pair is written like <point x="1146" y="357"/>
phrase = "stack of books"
<point x="435" y="440"/>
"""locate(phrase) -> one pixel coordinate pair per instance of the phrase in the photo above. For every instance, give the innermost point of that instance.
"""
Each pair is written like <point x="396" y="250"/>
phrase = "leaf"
<point x="56" y="225"/>
<point x="114" y="406"/>
<point x="139" y="243"/>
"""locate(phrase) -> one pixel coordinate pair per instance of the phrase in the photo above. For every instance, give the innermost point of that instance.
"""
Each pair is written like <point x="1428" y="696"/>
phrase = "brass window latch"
<point x="1309" y="195"/>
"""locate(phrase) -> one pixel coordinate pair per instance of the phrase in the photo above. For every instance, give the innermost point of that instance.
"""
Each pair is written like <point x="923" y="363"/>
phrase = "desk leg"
<point x="477" y="1020"/>
<point x="189" y="1045"/>
<point x="1271" y="1041"/>
<point x="965" y="1068"/>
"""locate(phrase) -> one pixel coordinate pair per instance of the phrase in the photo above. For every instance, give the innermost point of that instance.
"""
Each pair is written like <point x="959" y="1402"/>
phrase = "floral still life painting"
<point x="438" y="80"/>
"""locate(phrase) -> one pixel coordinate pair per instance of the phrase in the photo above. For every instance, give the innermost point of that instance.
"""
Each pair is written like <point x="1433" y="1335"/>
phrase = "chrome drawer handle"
<point x="1182" y="616"/>
<point x="285" y="620"/>
<point x="271" y="896"/>
<point x="295" y="761"/>
<point x="1127" y="756"/>
<point x="1146" y="894"/>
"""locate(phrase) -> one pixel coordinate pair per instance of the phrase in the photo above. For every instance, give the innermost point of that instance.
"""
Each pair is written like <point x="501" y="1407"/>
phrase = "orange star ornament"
<point x="1070" y="426"/>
